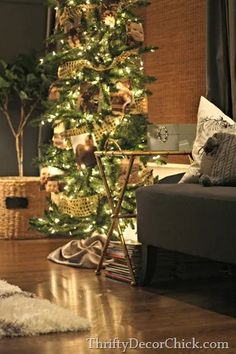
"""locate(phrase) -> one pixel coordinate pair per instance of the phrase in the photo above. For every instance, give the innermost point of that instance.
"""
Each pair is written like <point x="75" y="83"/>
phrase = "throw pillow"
<point x="211" y="120"/>
<point x="218" y="165"/>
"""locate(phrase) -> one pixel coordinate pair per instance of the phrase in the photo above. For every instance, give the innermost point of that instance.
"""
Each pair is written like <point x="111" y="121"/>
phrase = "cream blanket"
<point x="79" y="253"/>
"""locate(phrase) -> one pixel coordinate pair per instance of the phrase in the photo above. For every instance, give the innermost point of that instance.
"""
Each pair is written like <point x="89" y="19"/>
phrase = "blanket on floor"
<point x="80" y="253"/>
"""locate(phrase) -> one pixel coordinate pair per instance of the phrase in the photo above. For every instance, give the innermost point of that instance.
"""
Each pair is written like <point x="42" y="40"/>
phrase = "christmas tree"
<point x="99" y="97"/>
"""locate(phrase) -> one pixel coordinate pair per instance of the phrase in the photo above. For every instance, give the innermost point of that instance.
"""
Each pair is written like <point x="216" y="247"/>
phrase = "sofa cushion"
<point x="211" y="120"/>
<point x="189" y="218"/>
<point x="218" y="166"/>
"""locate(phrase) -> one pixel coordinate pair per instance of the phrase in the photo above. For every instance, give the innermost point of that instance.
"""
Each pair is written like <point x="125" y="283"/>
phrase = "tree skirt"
<point x="24" y="314"/>
<point x="80" y="253"/>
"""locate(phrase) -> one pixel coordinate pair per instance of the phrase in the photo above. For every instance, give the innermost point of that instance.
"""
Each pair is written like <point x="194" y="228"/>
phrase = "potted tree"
<point x="24" y="86"/>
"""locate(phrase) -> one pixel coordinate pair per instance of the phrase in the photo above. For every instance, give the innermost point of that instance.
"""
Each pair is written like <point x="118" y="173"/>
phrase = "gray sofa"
<point x="187" y="218"/>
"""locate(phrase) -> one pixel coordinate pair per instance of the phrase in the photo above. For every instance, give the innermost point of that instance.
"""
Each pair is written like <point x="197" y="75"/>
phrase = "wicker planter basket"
<point x="20" y="199"/>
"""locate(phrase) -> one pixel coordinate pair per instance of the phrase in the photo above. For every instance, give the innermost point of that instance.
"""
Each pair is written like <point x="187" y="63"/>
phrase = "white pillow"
<point x="211" y="120"/>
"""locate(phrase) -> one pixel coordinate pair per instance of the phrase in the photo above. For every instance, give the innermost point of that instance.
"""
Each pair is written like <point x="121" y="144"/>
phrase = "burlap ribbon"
<point x="70" y="68"/>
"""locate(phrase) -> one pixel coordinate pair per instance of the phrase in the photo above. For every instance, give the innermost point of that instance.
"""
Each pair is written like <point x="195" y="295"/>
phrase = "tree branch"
<point x="4" y="111"/>
<point x="26" y="118"/>
<point x="22" y="114"/>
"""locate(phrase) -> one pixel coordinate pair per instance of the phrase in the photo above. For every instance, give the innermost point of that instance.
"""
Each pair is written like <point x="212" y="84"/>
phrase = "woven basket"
<point x="20" y="199"/>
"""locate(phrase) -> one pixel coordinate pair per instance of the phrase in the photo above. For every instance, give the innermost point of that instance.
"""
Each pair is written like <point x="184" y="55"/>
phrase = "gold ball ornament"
<point x="74" y="41"/>
<point x="109" y="19"/>
<point x="122" y="98"/>
<point x="52" y="186"/>
<point x="59" y="140"/>
<point x="135" y="31"/>
<point x="54" y="93"/>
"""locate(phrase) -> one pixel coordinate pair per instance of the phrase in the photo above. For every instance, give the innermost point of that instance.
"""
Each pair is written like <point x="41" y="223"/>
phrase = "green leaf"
<point x="31" y="78"/>
<point x="3" y="83"/>
<point x="10" y="75"/>
<point x="3" y="64"/>
<point x="23" y="95"/>
<point x="44" y="78"/>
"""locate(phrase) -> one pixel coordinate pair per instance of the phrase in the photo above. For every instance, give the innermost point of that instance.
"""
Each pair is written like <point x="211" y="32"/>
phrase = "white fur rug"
<point x="24" y="314"/>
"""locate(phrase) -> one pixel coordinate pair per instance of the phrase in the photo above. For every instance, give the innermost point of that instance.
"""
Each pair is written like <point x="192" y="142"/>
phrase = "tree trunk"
<point x="19" y="153"/>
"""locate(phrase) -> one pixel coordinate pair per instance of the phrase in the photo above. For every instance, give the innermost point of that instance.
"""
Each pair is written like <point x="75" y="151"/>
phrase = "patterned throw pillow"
<point x="218" y="165"/>
<point x="211" y="120"/>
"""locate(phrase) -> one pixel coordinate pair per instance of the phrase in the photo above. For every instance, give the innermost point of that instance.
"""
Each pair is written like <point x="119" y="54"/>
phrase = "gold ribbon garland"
<point x="140" y="106"/>
<point x="70" y="68"/>
<point x="80" y="207"/>
<point x="108" y="126"/>
<point x="72" y="12"/>
<point x="124" y="4"/>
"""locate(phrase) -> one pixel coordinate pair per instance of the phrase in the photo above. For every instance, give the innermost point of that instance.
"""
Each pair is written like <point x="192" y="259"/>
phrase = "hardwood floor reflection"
<point x="114" y="309"/>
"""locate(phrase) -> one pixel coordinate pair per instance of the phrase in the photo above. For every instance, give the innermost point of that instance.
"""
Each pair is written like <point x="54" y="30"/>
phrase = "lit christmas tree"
<point x="99" y="97"/>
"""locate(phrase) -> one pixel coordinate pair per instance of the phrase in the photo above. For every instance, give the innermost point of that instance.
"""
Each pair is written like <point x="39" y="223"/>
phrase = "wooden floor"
<point x="205" y="310"/>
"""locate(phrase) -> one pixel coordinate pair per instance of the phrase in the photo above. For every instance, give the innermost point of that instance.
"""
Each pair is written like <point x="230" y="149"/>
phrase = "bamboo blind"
<point x="178" y="29"/>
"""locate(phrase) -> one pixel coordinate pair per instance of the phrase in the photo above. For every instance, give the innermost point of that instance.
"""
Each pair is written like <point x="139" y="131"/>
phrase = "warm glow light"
<point x="98" y="89"/>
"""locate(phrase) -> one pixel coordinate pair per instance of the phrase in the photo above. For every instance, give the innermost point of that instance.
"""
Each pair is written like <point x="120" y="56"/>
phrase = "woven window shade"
<point x="178" y="29"/>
